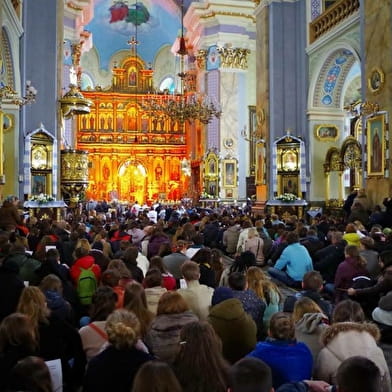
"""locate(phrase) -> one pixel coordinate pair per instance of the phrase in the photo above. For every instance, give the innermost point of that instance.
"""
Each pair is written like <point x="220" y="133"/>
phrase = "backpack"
<point x="87" y="285"/>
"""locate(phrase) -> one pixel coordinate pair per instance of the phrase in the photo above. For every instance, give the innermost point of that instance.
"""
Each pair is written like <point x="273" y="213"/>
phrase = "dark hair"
<point x="250" y="375"/>
<point x="156" y="376"/>
<point x="282" y="326"/>
<point x="153" y="278"/>
<point x="348" y="310"/>
<point x="312" y="280"/>
<point x="386" y="258"/>
<point x="130" y="255"/>
<point x="243" y="262"/>
<point x="103" y="303"/>
<point x="237" y="281"/>
<point x="200" y="361"/>
<point x="110" y="277"/>
<point x="31" y="374"/>
<point x="292" y="237"/>
<point x="157" y="262"/>
<point x="358" y="374"/>
<point x="203" y="255"/>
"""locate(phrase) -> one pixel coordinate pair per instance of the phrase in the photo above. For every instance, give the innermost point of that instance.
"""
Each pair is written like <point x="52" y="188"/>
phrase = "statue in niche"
<point x="158" y="173"/>
<point x="110" y="121"/>
<point x="119" y="123"/>
<point x="102" y="123"/>
<point x="132" y="78"/>
<point x="84" y="122"/>
<point x="105" y="172"/>
<point x="92" y="121"/>
<point x="144" y="124"/>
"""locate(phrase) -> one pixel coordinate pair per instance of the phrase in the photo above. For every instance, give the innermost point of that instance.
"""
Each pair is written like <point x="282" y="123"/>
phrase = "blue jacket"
<point x="289" y="361"/>
<point x="295" y="257"/>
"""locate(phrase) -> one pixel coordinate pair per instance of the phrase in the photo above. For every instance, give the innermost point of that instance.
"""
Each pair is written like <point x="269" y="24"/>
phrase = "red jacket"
<point x="84" y="262"/>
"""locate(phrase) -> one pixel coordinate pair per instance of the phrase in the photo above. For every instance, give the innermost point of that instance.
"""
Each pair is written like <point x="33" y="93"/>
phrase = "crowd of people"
<point x="176" y="298"/>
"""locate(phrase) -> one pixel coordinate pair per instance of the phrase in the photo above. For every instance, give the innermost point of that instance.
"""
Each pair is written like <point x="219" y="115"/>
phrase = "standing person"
<point x="296" y="261"/>
<point x="199" y="365"/>
<point x="115" y="368"/>
<point x="9" y="215"/>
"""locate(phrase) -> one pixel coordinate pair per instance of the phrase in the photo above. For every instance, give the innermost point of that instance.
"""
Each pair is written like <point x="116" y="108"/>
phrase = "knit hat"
<point x="97" y="245"/>
<point x="221" y="294"/>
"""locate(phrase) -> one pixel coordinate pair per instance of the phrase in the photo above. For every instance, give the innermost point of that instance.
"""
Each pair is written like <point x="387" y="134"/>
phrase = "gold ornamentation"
<point x="201" y="58"/>
<point x="233" y="57"/>
<point x="326" y="132"/>
<point x="212" y="14"/>
<point x="376" y="80"/>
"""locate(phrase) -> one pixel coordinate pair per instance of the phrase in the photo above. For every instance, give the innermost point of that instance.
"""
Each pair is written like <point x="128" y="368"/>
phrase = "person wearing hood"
<point x="309" y="322"/>
<point x="227" y="316"/>
<point x="349" y="336"/>
<point x="85" y="261"/>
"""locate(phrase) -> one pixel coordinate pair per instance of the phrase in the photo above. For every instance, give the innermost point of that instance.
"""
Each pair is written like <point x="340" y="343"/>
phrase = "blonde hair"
<point x="123" y="329"/>
<point x="304" y="305"/>
<point x="252" y="232"/>
<point x="83" y="243"/>
<point x="32" y="303"/>
<point x="259" y="282"/>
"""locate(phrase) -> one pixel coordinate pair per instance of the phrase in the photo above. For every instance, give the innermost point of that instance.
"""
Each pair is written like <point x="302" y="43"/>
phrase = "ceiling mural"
<point x="154" y="23"/>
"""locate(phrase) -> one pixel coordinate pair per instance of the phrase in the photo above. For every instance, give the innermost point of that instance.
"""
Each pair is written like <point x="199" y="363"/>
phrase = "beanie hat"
<point x="97" y="245"/>
<point x="221" y="294"/>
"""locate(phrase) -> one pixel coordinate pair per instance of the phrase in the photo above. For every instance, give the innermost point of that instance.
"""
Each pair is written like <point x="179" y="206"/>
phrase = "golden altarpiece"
<point x="135" y="152"/>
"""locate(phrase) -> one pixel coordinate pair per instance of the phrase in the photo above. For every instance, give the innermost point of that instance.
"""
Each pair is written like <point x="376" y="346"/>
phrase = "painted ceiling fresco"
<point x="154" y="23"/>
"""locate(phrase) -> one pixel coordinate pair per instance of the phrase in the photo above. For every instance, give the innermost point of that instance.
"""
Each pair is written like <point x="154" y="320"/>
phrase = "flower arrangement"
<point x="42" y="198"/>
<point x="205" y="195"/>
<point x="287" y="197"/>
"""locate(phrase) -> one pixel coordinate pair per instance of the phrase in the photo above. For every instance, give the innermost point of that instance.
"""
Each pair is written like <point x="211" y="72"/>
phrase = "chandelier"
<point x="182" y="106"/>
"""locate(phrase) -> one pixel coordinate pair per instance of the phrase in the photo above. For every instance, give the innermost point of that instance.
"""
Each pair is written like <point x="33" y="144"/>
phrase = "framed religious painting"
<point x="376" y="80"/>
<point x="38" y="184"/>
<point x="375" y="135"/>
<point x="229" y="173"/>
<point x="326" y="132"/>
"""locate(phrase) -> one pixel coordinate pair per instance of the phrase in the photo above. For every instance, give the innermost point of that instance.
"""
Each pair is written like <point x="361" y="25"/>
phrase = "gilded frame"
<point x="211" y="165"/>
<point x="326" y="132"/>
<point x="229" y="173"/>
<point x="375" y="136"/>
<point x="38" y="184"/>
<point x="8" y="122"/>
<point x="376" y="80"/>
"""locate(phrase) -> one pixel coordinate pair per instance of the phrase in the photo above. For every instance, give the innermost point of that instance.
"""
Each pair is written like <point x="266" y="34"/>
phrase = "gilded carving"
<point x="201" y="58"/>
<point x="234" y="57"/>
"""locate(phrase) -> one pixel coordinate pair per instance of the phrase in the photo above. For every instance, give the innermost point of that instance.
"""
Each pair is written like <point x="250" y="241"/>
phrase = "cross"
<point x="132" y="42"/>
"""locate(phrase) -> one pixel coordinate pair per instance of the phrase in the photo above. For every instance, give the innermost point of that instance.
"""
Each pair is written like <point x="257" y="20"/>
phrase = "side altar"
<point x="50" y="210"/>
<point x="285" y="209"/>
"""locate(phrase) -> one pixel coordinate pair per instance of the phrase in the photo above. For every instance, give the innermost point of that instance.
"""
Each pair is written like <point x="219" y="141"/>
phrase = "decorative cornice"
<point x="213" y="14"/>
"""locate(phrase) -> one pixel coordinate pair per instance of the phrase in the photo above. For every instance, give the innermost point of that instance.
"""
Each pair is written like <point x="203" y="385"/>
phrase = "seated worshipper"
<point x="288" y="360"/>
<point x="115" y="367"/>
<point x="250" y="375"/>
<point x="163" y="336"/>
<point x="17" y="340"/>
<point x="111" y="278"/>
<point x="312" y="284"/>
<point x="253" y="305"/>
<point x="199" y="365"/>
<point x="93" y="335"/>
<point x="371" y="295"/>
<point x="130" y="260"/>
<point x="207" y="275"/>
<point x="351" y="235"/>
<point x="255" y="244"/>
<point x="30" y="374"/>
<point x="266" y="290"/>
<point x="169" y="282"/>
<point x="310" y="322"/>
<point x="176" y="259"/>
<point x="56" y="338"/>
<point x="198" y="296"/>
<point x="153" y="288"/>
<point x="328" y="258"/>
<point x="367" y="251"/>
<point x="349" y="336"/>
<point x="228" y="317"/>
<point x="241" y="264"/>
<point x="353" y="266"/>
<point x="295" y="260"/>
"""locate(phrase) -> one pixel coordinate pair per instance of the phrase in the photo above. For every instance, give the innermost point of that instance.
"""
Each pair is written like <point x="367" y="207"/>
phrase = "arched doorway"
<point x="132" y="181"/>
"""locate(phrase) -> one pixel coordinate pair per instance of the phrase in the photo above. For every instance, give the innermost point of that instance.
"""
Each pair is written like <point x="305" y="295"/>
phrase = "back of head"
<point x="110" y="277"/>
<point x="250" y="375"/>
<point x="172" y="302"/>
<point x="153" y="278"/>
<point x="313" y="281"/>
<point x="31" y="374"/>
<point x="237" y="281"/>
<point x="304" y="305"/>
<point x="103" y="303"/>
<point x="358" y="374"/>
<point x="158" y="374"/>
<point x="282" y="326"/>
<point x="123" y="329"/>
<point x="190" y="270"/>
<point x="203" y="255"/>
<point x="292" y="237"/>
<point x="348" y="311"/>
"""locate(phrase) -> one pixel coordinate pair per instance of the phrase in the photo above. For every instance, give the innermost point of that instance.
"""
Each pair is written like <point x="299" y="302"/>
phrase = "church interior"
<point x="217" y="101"/>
